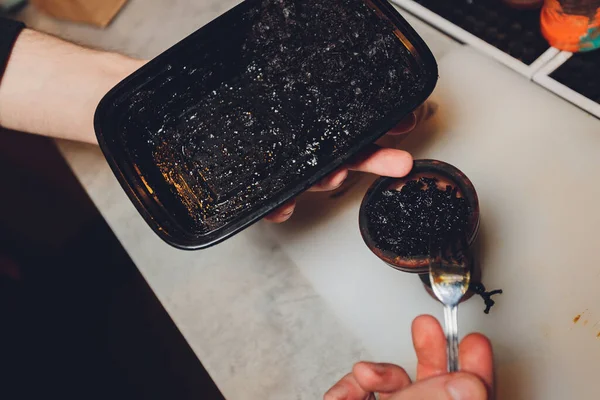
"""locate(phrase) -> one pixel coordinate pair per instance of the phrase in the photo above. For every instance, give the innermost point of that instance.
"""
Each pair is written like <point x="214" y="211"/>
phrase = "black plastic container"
<point x="189" y="135"/>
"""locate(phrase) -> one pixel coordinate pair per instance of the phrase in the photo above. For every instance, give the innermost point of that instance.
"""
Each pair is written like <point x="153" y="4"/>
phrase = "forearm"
<point x="52" y="87"/>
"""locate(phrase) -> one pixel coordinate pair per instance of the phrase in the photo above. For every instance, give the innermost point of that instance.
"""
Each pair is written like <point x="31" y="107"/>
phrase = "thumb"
<point x="459" y="386"/>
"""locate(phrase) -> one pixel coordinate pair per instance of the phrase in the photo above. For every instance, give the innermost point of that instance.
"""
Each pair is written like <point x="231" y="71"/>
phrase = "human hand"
<point x="475" y="381"/>
<point x="375" y="159"/>
<point x="51" y="87"/>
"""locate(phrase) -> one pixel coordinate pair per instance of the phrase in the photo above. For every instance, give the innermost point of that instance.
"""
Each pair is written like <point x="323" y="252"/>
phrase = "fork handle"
<point x="451" y="323"/>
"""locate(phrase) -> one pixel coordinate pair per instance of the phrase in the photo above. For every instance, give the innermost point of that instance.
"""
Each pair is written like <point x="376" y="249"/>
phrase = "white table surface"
<point x="281" y="312"/>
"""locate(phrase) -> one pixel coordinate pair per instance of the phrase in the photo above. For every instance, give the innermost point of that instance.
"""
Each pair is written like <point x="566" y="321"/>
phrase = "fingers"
<point x="382" y="161"/>
<point x="475" y="351"/>
<point x="474" y="382"/>
<point x="392" y="383"/>
<point x="283" y="213"/>
<point x="423" y="113"/>
<point x="476" y="357"/>
<point x="430" y="345"/>
<point x="375" y="160"/>
<point x="346" y="389"/>
<point x="459" y="386"/>
<point x="406" y="125"/>
<point x="331" y="182"/>
<point x="369" y="378"/>
<point x="380" y="378"/>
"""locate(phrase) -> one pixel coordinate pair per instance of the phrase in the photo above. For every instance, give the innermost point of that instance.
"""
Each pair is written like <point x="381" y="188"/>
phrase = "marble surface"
<point x="246" y="310"/>
<point x="531" y="156"/>
<point x="249" y="313"/>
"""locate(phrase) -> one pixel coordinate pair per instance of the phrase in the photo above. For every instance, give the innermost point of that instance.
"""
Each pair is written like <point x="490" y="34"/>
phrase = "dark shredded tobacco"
<point x="479" y="289"/>
<point x="310" y="78"/>
<point x="409" y="221"/>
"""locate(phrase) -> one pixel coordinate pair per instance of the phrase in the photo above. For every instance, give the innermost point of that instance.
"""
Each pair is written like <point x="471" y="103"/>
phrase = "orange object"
<point x="94" y="12"/>
<point x="571" y="25"/>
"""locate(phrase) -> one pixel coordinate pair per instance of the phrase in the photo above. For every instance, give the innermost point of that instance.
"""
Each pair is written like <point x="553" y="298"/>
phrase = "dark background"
<point x="77" y="320"/>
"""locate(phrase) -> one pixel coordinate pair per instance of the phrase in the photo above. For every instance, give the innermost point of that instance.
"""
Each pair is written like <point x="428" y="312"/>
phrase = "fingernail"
<point x="379" y="369"/>
<point x="285" y="217"/>
<point x="462" y="388"/>
<point x="338" y="182"/>
<point x="338" y="392"/>
<point x="413" y="118"/>
<point x="407" y="125"/>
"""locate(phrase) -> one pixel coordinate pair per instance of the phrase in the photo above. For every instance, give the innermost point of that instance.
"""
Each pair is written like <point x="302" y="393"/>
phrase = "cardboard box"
<point x="94" y="12"/>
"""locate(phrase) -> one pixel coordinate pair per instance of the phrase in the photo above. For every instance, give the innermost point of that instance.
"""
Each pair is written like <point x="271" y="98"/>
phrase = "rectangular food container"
<point x="256" y="107"/>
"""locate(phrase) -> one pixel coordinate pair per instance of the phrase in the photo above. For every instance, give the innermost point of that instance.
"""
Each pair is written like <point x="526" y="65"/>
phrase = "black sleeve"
<point x="9" y="30"/>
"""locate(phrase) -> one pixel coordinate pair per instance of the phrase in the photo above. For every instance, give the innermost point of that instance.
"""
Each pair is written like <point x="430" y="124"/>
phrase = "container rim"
<point x="161" y="221"/>
<point x="419" y="264"/>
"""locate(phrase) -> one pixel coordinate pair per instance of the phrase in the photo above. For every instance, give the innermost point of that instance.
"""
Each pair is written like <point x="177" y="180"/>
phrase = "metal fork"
<point x="450" y="274"/>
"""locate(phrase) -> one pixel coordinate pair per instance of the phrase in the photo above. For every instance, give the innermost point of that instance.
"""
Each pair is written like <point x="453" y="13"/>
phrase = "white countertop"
<point x="282" y="312"/>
